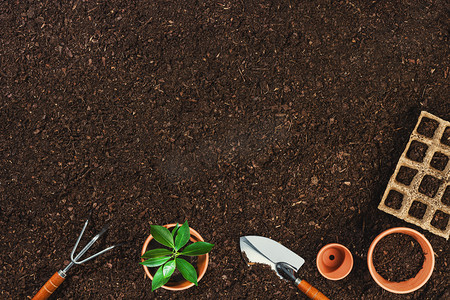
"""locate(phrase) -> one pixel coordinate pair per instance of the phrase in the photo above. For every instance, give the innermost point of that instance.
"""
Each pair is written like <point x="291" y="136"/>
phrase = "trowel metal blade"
<point x="258" y="249"/>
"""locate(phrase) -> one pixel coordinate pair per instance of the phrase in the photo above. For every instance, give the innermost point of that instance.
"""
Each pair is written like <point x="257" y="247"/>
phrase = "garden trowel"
<point x="285" y="263"/>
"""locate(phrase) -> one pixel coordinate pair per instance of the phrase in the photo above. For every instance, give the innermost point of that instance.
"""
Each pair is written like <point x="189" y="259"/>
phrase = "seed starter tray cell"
<point x="423" y="180"/>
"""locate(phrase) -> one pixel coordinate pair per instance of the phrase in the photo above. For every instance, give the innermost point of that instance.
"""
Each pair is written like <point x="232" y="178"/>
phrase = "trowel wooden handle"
<point x="49" y="287"/>
<point x="311" y="291"/>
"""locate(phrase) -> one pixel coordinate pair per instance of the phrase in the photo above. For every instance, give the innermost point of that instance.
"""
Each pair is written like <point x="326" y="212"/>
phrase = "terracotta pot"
<point x="202" y="262"/>
<point x="412" y="284"/>
<point x="334" y="261"/>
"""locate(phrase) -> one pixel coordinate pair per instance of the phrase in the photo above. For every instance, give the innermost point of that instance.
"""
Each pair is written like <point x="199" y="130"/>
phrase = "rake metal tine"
<point x="97" y="254"/>
<point x="78" y="241"/>
<point x="86" y="248"/>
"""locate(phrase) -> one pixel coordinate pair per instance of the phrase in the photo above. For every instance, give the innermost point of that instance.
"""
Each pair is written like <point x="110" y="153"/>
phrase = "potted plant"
<point x="170" y="259"/>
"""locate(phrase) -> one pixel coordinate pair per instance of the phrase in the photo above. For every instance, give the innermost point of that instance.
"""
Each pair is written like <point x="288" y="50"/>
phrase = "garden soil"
<point x="398" y="268"/>
<point x="271" y="118"/>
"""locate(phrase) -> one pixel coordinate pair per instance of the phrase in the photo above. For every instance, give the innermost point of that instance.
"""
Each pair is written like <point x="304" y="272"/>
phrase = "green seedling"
<point x="168" y="259"/>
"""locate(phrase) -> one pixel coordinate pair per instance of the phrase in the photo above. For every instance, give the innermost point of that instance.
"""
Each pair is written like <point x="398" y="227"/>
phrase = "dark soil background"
<point x="273" y="118"/>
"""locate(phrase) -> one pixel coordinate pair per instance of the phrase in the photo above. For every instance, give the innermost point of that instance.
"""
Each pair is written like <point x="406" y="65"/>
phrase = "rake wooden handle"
<point x="311" y="291"/>
<point x="49" y="287"/>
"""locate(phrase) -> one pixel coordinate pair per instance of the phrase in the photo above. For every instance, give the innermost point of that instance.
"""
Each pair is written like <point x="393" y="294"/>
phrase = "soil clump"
<point x="398" y="257"/>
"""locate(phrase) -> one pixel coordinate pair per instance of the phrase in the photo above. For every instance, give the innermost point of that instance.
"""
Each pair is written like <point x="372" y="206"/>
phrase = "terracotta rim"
<point x="202" y="263"/>
<point x="412" y="284"/>
<point x="334" y="261"/>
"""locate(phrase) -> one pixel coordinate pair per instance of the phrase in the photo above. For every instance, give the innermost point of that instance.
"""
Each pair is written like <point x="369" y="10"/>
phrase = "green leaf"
<point x="196" y="249"/>
<point x="156" y="253"/>
<point x="156" y="261"/>
<point x="175" y="229"/>
<point x="169" y="268"/>
<point x="162" y="235"/>
<point x="158" y="279"/>
<point x="183" y="235"/>
<point x="187" y="270"/>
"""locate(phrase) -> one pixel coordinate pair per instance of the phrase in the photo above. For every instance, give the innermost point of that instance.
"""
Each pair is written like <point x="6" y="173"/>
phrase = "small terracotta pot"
<point x="202" y="262"/>
<point x="334" y="261"/>
<point x="412" y="284"/>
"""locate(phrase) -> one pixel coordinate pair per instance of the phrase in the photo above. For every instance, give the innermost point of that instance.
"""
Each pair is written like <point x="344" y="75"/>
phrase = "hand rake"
<point x="53" y="283"/>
